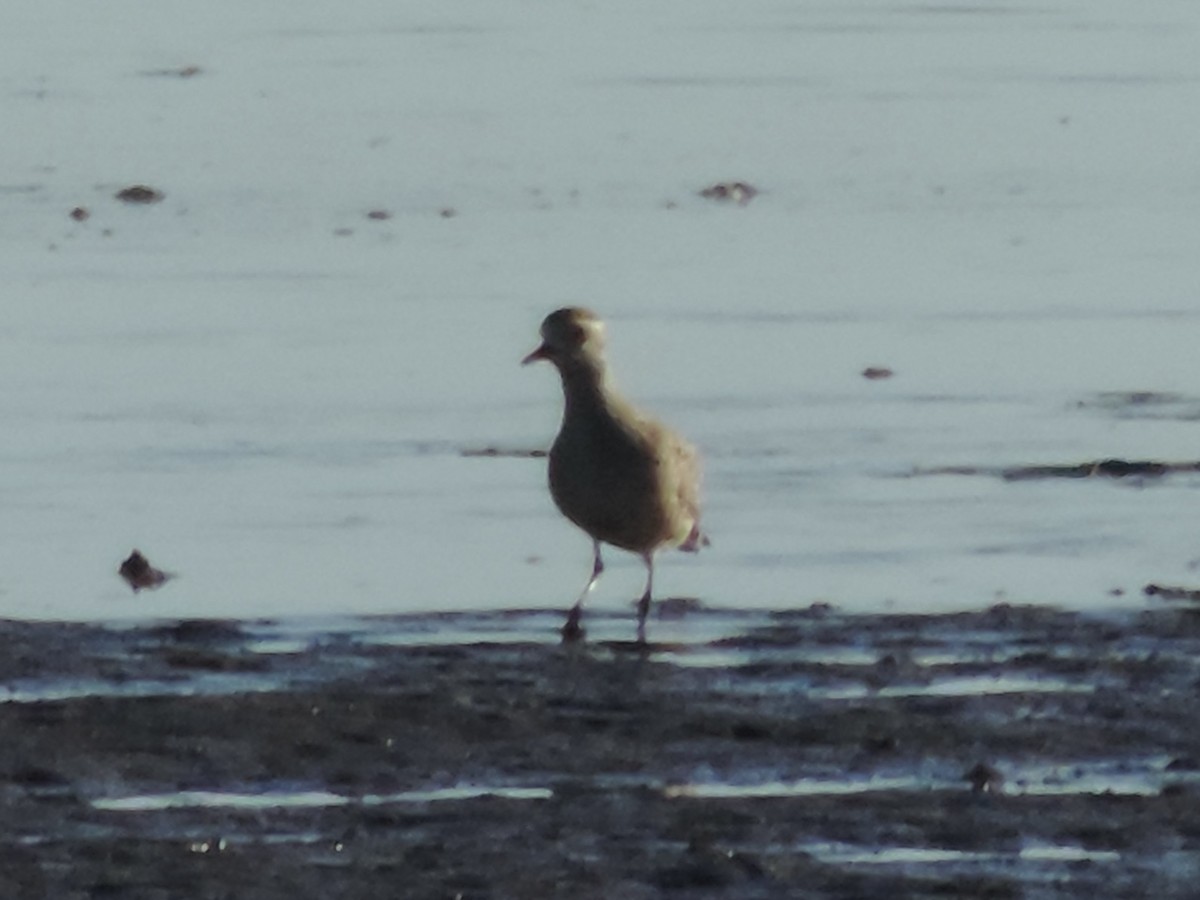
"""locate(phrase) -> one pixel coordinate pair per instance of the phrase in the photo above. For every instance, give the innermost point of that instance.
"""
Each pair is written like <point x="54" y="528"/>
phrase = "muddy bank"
<point x="808" y="754"/>
<point x="1136" y="469"/>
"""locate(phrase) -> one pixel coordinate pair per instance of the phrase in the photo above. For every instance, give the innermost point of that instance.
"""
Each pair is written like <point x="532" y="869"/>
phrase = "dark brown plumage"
<point x="620" y="475"/>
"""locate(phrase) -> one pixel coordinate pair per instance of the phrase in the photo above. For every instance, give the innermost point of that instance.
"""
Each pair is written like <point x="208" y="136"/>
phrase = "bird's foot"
<point x="572" y="631"/>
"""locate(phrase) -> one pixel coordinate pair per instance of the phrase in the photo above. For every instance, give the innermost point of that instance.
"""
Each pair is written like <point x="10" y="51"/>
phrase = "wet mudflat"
<point x="804" y="754"/>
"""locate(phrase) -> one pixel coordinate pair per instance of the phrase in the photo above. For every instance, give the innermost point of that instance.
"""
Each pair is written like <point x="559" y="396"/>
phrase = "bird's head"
<point x="572" y="334"/>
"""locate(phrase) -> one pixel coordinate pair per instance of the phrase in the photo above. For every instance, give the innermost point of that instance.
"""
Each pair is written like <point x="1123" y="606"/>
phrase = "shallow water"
<point x="1113" y="778"/>
<point x="266" y="800"/>
<point x="270" y="394"/>
<point x="914" y="857"/>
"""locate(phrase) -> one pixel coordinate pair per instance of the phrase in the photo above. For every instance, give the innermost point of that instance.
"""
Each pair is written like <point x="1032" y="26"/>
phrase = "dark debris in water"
<point x="140" y="575"/>
<point x="1166" y="592"/>
<point x="738" y="192"/>
<point x="1100" y="468"/>
<point x="180" y="72"/>
<point x="1144" y="405"/>
<point x="505" y="452"/>
<point x="984" y="778"/>
<point x="139" y="194"/>
<point x="1103" y="468"/>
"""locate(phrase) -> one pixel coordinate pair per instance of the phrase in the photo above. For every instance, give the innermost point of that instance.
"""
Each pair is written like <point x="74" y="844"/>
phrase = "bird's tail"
<point x="695" y="540"/>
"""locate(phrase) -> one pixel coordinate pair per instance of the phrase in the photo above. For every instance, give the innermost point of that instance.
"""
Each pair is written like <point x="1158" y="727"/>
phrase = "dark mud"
<point x="806" y="754"/>
<point x="1171" y="592"/>
<point x="1138" y="469"/>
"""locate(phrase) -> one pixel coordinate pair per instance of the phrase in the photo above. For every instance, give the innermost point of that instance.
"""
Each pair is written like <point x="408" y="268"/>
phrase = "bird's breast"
<point x="607" y="479"/>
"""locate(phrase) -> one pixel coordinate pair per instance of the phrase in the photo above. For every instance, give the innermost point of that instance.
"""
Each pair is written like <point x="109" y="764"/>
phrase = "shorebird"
<point x="620" y="475"/>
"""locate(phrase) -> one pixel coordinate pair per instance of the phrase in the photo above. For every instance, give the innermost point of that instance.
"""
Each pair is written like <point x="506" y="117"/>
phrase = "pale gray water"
<point x="269" y="393"/>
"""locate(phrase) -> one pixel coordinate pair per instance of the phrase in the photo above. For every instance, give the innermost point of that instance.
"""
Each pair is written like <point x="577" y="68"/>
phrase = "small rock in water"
<point x="885" y="743"/>
<point x="735" y="191"/>
<point x="80" y="214"/>
<point x="181" y="72"/>
<point x="139" y="193"/>
<point x="984" y="779"/>
<point x="875" y="373"/>
<point x="139" y="574"/>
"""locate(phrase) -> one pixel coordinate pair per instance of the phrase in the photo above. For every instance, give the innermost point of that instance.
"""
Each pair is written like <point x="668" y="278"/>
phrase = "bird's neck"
<point x="587" y="387"/>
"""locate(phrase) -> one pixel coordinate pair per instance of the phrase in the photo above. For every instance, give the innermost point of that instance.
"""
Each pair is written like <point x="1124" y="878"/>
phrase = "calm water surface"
<point x="271" y="394"/>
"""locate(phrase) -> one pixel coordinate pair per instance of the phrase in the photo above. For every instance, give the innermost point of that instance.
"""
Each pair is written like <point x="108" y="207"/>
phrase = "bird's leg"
<point x="643" y="608"/>
<point x="572" y="631"/>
